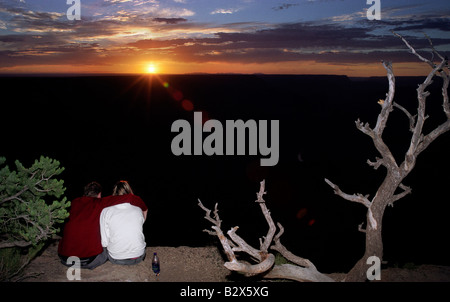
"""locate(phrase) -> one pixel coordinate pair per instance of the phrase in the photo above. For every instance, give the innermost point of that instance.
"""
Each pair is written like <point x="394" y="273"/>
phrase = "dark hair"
<point x="92" y="189"/>
<point x="122" y="187"/>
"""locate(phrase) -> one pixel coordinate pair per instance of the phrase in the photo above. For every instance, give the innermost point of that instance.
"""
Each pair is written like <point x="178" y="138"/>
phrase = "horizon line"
<point x="102" y="74"/>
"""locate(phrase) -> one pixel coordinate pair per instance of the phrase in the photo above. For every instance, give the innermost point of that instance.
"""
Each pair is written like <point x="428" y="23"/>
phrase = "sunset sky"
<point x="212" y="36"/>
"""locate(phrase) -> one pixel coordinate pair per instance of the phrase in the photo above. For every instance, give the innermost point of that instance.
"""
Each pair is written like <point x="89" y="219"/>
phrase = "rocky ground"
<point x="178" y="264"/>
<point x="189" y="264"/>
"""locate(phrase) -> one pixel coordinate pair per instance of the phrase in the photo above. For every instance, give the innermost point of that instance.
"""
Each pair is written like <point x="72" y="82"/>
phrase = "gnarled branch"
<point x="265" y="266"/>
<point x="355" y="197"/>
<point x="297" y="273"/>
<point x="412" y="119"/>
<point x="419" y="141"/>
<point x="248" y="269"/>
<point x="287" y="254"/>
<point x="406" y="190"/>
<point x="264" y="245"/>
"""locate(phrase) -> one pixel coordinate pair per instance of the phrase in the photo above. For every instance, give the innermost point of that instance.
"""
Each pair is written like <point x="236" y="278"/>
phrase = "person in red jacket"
<point x="81" y="235"/>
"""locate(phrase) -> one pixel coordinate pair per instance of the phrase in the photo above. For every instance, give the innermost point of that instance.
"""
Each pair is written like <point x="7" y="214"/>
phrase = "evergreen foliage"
<point x="32" y="206"/>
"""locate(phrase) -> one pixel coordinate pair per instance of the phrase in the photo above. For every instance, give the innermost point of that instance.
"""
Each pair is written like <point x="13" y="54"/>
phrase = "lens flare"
<point x="177" y="95"/>
<point x="151" y="68"/>
<point x="187" y="105"/>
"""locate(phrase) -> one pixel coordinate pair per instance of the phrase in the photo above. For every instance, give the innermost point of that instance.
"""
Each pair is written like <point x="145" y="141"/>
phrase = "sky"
<point x="216" y="36"/>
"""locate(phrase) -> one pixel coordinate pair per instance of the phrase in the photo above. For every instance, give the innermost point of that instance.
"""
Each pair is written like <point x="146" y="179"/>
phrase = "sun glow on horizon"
<point x="151" y="68"/>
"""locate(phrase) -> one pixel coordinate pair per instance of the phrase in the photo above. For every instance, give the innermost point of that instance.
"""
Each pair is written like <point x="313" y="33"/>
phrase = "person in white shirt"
<point x="121" y="229"/>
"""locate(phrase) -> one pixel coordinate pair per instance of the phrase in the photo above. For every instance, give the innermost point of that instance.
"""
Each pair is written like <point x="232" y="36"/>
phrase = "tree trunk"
<point x="374" y="241"/>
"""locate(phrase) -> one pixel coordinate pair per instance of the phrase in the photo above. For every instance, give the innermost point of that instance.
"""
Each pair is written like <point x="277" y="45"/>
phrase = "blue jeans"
<point x="130" y="261"/>
<point x="89" y="263"/>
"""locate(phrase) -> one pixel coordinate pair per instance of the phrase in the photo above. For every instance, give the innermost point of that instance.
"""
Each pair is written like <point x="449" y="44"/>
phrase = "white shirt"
<point x="121" y="231"/>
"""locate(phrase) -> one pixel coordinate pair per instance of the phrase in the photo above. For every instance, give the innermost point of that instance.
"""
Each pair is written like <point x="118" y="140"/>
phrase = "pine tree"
<point x="32" y="206"/>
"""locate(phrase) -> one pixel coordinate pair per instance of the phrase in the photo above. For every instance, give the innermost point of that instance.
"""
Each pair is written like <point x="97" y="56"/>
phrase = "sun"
<point x="151" y="68"/>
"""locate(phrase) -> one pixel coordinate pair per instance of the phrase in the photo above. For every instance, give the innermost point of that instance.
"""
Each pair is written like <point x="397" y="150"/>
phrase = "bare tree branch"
<point x="365" y="128"/>
<point x="287" y="254"/>
<point x="387" y="104"/>
<point x="413" y="51"/>
<point x="412" y="119"/>
<point x="217" y="231"/>
<point x="355" y="197"/>
<point x="297" y="273"/>
<point x="264" y="245"/>
<point x="419" y="142"/>
<point x="216" y="221"/>
<point x="406" y="190"/>
<point x="445" y="101"/>
<point x="248" y="269"/>
<point x="378" y="162"/>
<point x="388" y="159"/>
<point x="360" y="228"/>
<point x="265" y="260"/>
<point x="243" y="246"/>
<point x="432" y="47"/>
<point x="225" y="244"/>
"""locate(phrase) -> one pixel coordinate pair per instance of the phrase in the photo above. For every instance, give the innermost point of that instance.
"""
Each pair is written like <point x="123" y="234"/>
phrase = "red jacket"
<point x="81" y="235"/>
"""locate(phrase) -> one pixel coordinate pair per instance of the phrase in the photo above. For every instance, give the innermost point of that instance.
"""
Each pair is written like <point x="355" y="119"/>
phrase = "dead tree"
<point x="387" y="193"/>
<point x="303" y="270"/>
<point x="396" y="173"/>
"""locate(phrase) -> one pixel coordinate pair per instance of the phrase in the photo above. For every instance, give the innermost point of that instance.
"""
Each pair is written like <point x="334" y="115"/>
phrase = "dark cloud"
<point x="284" y="6"/>
<point x="149" y="43"/>
<point x="428" y="24"/>
<point x="170" y="20"/>
<point x="296" y="42"/>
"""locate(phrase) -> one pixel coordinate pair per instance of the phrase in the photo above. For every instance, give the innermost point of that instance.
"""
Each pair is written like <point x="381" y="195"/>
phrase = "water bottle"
<point x="155" y="264"/>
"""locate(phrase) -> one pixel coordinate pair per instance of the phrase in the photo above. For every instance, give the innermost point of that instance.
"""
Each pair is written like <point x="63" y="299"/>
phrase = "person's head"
<point x="93" y="189"/>
<point x="122" y="187"/>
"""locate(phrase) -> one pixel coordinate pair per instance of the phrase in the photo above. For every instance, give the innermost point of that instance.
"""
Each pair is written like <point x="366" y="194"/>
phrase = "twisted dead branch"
<point x="301" y="270"/>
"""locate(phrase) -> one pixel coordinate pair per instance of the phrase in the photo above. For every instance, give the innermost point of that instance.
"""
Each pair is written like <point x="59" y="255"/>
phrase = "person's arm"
<point x="104" y="231"/>
<point x="127" y="198"/>
<point x="138" y="202"/>
<point x="145" y="214"/>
